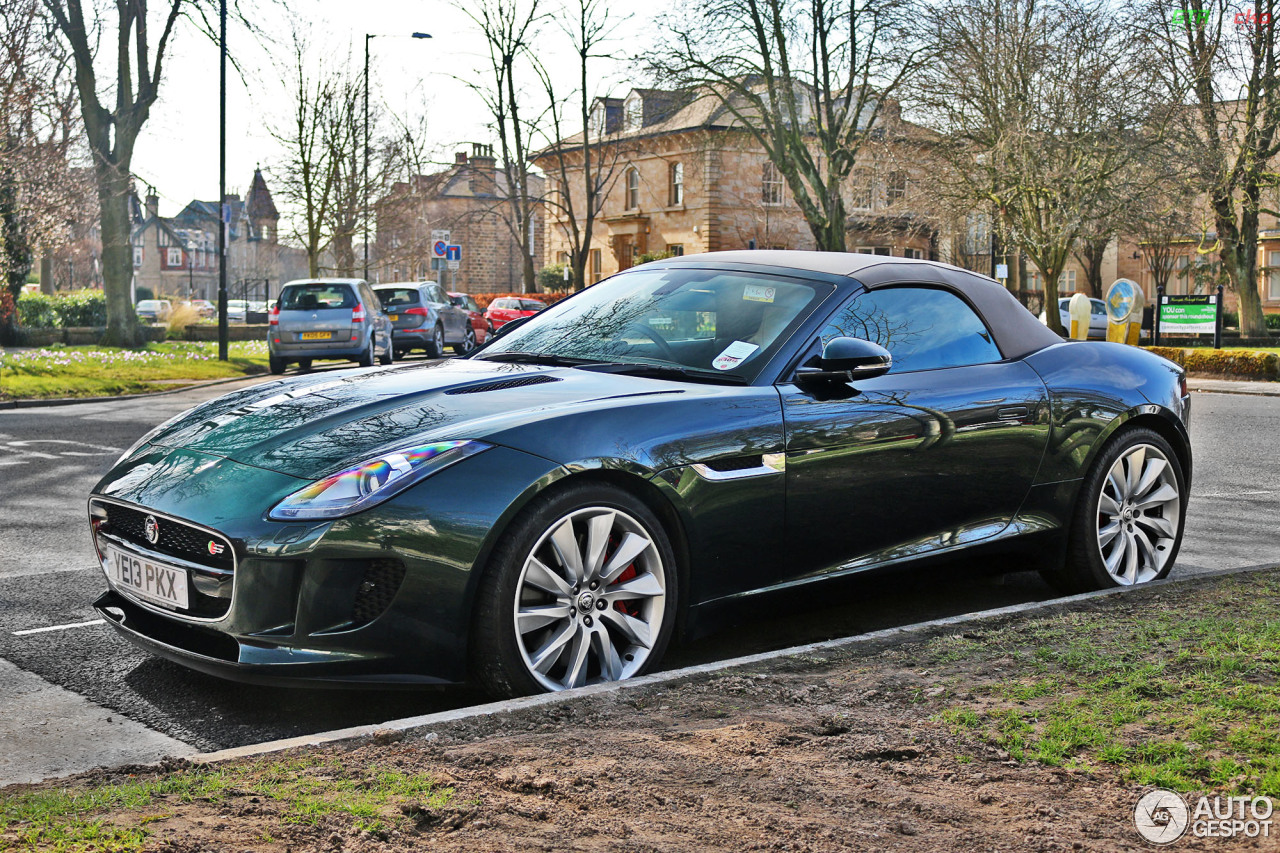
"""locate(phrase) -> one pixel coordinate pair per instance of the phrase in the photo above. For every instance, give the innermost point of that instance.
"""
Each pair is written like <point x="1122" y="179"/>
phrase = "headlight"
<point x="370" y="483"/>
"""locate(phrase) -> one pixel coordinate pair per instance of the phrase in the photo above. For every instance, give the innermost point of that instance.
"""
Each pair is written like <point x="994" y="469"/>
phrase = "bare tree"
<point x="582" y="165"/>
<point x="1222" y="58"/>
<point x="1044" y="106"/>
<point x="807" y="78"/>
<point x="509" y="29"/>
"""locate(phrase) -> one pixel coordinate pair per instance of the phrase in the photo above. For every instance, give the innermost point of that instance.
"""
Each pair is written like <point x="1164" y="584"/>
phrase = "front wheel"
<point x="581" y="591"/>
<point x="1128" y="522"/>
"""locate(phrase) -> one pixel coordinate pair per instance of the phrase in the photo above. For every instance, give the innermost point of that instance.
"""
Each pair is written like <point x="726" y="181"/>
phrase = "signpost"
<point x="1189" y="315"/>
<point x="439" y="247"/>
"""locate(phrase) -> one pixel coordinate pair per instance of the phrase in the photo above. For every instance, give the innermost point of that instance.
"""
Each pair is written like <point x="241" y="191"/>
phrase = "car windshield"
<point x="310" y="297"/>
<point x="707" y="320"/>
<point x="148" y="305"/>
<point x="391" y="296"/>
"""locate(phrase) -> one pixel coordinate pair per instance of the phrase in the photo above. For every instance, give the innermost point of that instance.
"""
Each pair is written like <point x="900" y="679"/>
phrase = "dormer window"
<point x="633" y="112"/>
<point x="597" y="119"/>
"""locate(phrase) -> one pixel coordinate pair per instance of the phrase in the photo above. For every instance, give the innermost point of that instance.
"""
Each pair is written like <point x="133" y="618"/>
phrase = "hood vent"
<point x="503" y="384"/>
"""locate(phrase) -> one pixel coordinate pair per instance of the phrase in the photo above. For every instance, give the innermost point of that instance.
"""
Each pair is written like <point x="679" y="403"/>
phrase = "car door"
<point x="445" y="310"/>
<point x="380" y="322"/>
<point x="939" y="452"/>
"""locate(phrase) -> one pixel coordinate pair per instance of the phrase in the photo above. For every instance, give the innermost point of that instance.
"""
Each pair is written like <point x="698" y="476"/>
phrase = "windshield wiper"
<point x="517" y="357"/>
<point x="667" y="371"/>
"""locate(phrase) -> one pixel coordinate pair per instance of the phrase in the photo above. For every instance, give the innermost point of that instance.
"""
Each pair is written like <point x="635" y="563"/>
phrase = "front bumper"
<point x="382" y="597"/>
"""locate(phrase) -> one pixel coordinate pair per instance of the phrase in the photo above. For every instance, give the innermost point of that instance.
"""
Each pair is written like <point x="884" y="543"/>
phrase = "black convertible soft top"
<point x="1017" y="332"/>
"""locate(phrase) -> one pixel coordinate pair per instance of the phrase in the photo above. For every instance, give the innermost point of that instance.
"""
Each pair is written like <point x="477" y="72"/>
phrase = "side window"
<point x="370" y="298"/>
<point x="922" y="327"/>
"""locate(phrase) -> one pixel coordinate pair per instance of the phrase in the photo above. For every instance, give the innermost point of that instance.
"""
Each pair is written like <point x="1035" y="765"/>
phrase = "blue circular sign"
<point x="1122" y="297"/>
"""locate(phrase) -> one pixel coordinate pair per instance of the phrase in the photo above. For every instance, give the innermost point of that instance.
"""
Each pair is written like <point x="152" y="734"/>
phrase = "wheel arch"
<point x="1160" y="421"/>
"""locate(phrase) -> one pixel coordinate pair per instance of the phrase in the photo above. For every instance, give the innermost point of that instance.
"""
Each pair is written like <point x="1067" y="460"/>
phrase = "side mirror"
<point x="847" y="360"/>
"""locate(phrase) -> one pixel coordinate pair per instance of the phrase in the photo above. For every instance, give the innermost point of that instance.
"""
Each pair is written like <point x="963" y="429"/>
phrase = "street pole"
<point x="222" y="183"/>
<point x="365" y="179"/>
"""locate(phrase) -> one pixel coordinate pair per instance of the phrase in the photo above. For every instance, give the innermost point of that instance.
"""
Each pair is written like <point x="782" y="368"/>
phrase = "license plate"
<point x="147" y="579"/>
<point x="393" y="317"/>
<point x="315" y="336"/>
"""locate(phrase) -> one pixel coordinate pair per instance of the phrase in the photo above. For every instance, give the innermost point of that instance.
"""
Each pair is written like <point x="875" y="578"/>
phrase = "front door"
<point x="625" y="248"/>
<point x="938" y="452"/>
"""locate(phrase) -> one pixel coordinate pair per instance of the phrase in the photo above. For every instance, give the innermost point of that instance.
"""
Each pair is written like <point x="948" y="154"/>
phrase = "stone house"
<point x="682" y="175"/>
<point x="471" y="201"/>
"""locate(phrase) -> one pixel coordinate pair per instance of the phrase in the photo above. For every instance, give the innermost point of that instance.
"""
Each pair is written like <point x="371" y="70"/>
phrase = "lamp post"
<point x="365" y="180"/>
<point x="222" y="182"/>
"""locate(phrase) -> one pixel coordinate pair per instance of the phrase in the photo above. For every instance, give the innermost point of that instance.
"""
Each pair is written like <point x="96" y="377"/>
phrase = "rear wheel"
<point x="468" y="342"/>
<point x="435" y="345"/>
<point x="581" y="590"/>
<point x="276" y="365"/>
<point x="1129" y="516"/>
<point x="304" y="364"/>
<point x="388" y="357"/>
<point x="366" y="357"/>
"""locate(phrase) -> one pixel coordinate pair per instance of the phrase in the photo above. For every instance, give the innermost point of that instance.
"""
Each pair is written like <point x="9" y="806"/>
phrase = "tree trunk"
<point x="117" y="253"/>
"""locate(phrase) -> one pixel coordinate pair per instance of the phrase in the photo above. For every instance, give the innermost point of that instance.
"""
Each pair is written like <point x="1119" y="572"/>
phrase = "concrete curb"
<point x="873" y="640"/>
<point x="71" y="401"/>
<point x="1260" y="388"/>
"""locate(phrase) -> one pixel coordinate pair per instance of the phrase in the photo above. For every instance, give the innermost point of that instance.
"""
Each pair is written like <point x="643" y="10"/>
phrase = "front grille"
<point x="378" y="586"/>
<point x="503" y="384"/>
<point x="176" y="539"/>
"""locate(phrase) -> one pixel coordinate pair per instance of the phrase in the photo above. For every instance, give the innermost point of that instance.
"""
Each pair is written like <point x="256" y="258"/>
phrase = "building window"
<point x="562" y="258"/>
<point x="1273" y="280"/>
<point x="1067" y="282"/>
<point x="596" y="268"/>
<point x="896" y="190"/>
<point x="175" y="257"/>
<point x="675" y="184"/>
<point x="861" y="185"/>
<point x="913" y="253"/>
<point x="137" y="256"/>
<point x="675" y="250"/>
<point x="1034" y="281"/>
<point x="1180" y="281"/>
<point x="633" y="113"/>
<point x="633" y="188"/>
<point x="770" y="184"/>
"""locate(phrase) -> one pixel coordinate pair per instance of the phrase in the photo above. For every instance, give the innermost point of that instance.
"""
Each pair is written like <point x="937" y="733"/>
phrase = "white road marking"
<point x="30" y="631"/>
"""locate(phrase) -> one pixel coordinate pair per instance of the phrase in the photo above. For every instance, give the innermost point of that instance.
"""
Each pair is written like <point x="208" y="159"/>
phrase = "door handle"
<point x="1012" y="413"/>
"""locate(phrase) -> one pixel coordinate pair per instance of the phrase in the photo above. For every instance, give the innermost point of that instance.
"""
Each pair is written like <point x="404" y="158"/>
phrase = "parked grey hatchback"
<point x="424" y="317"/>
<point x="327" y="318"/>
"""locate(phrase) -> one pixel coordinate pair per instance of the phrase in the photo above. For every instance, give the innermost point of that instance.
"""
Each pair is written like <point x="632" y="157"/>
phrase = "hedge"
<point x="483" y="299"/>
<point x="1231" y="320"/>
<point x="1247" y="364"/>
<point x="76" y="308"/>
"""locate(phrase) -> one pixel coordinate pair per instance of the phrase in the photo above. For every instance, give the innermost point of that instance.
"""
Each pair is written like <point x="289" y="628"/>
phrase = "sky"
<point x="177" y="152"/>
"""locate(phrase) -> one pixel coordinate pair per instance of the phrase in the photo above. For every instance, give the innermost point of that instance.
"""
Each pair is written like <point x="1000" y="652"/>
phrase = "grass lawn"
<point x="1177" y="695"/>
<point x="99" y="371"/>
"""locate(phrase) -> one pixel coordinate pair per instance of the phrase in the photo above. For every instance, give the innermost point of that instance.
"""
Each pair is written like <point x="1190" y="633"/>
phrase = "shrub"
<point x="179" y="318"/>
<point x="38" y="311"/>
<point x="1230" y="319"/>
<point x="1273" y="321"/>
<point x="1247" y="364"/>
<point x="77" y="308"/>
<point x="551" y="278"/>
<point x="483" y="299"/>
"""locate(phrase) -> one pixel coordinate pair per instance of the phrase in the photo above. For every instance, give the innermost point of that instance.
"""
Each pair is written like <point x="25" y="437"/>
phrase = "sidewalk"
<point x="1230" y="386"/>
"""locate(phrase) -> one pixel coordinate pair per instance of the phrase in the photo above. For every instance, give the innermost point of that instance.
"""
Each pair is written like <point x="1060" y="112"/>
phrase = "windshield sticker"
<point x="734" y="354"/>
<point x="758" y="293"/>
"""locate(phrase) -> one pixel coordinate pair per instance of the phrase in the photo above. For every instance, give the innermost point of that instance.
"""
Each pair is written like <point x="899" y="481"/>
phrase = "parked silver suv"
<point x="424" y="317"/>
<point x="327" y="318"/>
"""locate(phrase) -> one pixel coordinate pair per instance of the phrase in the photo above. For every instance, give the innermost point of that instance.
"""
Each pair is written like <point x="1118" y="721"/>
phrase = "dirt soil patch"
<point x="902" y="746"/>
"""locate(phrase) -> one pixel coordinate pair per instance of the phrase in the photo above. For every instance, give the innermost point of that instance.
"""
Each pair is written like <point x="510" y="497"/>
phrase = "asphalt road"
<point x="51" y="457"/>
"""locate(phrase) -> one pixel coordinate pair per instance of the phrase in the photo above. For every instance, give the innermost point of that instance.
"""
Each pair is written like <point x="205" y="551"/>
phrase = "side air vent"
<point x="503" y="384"/>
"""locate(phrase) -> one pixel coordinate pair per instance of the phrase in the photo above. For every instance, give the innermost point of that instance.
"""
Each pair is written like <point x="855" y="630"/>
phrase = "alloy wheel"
<point x="1139" y="513"/>
<point x="590" y="599"/>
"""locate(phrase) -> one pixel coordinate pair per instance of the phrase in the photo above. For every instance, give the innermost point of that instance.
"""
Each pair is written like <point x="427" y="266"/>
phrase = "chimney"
<point x="153" y="206"/>
<point x="484" y="168"/>
<point x="460" y="159"/>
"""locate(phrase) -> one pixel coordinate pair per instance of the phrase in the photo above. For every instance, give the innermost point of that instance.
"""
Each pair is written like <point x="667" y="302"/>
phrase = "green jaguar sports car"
<point x="551" y="510"/>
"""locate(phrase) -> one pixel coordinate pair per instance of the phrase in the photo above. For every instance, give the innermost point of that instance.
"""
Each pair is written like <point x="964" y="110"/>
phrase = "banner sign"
<point x="1188" y="315"/>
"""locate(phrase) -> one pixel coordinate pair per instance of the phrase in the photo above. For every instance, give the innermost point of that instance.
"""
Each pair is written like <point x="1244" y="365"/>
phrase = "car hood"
<point x="310" y="426"/>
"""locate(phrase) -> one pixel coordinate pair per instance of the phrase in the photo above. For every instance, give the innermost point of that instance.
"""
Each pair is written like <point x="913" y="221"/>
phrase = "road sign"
<point x="438" y="249"/>
<point x="454" y="265"/>
<point x="1188" y="315"/>
<point x="453" y="253"/>
<point x="1002" y="270"/>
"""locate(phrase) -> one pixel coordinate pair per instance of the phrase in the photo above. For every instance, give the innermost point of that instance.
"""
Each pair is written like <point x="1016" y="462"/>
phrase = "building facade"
<point x="469" y="205"/>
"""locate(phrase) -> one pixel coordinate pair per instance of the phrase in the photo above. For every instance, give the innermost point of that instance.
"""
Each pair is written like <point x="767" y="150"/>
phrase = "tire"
<point x="304" y="364"/>
<point x="387" y="358"/>
<point x="366" y="357"/>
<point x="435" y="346"/>
<point x="1129" y="517"/>
<point x="584" y="636"/>
<point x="468" y="342"/>
<point x="276" y="365"/>
<point x="399" y="353"/>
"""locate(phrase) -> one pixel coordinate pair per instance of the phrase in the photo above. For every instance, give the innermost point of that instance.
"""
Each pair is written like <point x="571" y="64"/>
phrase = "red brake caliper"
<point x="628" y="607"/>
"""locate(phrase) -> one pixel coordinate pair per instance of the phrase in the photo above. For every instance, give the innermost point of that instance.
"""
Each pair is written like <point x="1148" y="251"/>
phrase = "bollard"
<point x="1079" y="309"/>
<point x="1124" y="312"/>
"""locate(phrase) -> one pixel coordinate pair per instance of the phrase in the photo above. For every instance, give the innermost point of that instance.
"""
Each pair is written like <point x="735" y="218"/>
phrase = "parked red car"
<point x="467" y="303"/>
<point x="507" y="308"/>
